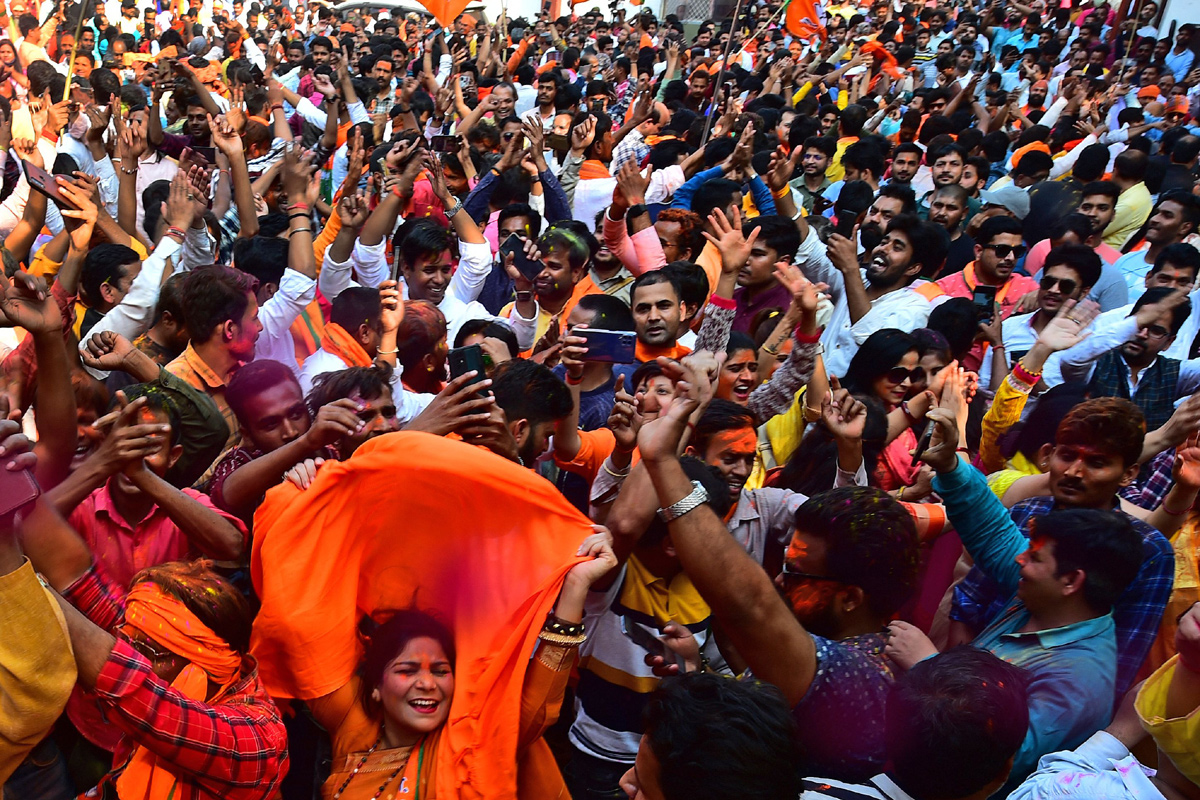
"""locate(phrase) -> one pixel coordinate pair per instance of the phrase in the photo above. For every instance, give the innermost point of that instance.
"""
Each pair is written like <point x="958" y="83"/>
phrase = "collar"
<point x="104" y="504"/>
<point x="969" y="280"/>
<point x="888" y="788"/>
<point x="199" y="366"/>
<point x="1067" y="634"/>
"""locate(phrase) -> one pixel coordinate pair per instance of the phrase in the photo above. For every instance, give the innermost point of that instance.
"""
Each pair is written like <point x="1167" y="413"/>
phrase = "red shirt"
<point x="123" y="550"/>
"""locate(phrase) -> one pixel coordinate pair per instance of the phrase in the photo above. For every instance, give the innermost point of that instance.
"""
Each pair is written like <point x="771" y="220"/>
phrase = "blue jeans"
<point x="41" y="776"/>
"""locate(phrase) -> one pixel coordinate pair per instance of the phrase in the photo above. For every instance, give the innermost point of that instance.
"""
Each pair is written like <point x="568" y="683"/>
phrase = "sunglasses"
<point x="898" y="375"/>
<point x="1002" y="250"/>
<point x="145" y="648"/>
<point x="1047" y="283"/>
<point x="791" y="573"/>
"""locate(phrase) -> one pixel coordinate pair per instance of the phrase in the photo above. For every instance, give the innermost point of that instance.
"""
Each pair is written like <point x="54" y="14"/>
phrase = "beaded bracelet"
<point x="1024" y="375"/>
<point x="559" y="627"/>
<point x="176" y="231"/>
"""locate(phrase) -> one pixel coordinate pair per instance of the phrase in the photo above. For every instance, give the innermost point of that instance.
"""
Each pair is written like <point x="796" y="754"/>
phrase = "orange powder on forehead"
<point x="742" y="440"/>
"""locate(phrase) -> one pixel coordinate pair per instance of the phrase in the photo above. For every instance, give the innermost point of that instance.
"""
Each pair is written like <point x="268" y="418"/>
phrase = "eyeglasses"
<point x="1155" y="331"/>
<point x="898" y="375"/>
<point x="147" y="649"/>
<point x="1002" y="250"/>
<point x="1068" y="286"/>
<point x="791" y="573"/>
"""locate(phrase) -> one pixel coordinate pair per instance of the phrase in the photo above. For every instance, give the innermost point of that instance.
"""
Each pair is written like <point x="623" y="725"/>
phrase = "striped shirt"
<point x="614" y="681"/>
<point x="881" y="787"/>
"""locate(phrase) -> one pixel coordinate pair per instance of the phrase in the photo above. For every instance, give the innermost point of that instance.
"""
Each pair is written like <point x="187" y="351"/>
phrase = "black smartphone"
<point x="17" y="489"/>
<point x="526" y="266"/>
<point x="984" y="300"/>
<point x="464" y="359"/>
<point x="845" y="224"/>
<point x="613" y="347"/>
<point x="644" y="639"/>
<point x="445" y="143"/>
<point x="209" y="154"/>
<point x="923" y="442"/>
<point x="558" y="141"/>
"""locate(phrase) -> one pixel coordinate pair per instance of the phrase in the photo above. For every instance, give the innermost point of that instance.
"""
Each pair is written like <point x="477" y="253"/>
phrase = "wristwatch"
<point x="636" y="211"/>
<point x="694" y="500"/>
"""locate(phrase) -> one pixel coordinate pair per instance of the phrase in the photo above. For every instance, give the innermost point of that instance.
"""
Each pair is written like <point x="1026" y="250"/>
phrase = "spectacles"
<point x="1155" y="331"/>
<point x="1068" y="286"/>
<point x="1002" y="250"/>
<point x="791" y="573"/>
<point x="147" y="649"/>
<point x="898" y="375"/>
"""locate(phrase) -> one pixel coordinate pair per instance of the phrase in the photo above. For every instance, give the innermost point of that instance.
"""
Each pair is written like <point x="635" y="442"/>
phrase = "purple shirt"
<point x="777" y="296"/>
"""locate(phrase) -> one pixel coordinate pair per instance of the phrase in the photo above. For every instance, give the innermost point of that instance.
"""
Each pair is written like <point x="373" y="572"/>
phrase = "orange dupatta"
<point x="337" y="341"/>
<point x="593" y="170"/>
<point x="417" y="519"/>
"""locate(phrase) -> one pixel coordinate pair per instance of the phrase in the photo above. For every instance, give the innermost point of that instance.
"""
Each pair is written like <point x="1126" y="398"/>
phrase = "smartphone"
<point x="464" y="359"/>
<point x="17" y="490"/>
<point x="554" y="56"/>
<point x="845" y="224"/>
<point x="644" y="639"/>
<point x="923" y="442"/>
<point x="44" y="182"/>
<point x="984" y="300"/>
<point x="529" y="268"/>
<point x="446" y="143"/>
<point x="613" y="347"/>
<point x="208" y="154"/>
<point x="558" y="141"/>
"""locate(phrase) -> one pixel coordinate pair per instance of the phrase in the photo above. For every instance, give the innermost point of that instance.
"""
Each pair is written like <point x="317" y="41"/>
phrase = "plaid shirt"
<point x="1138" y="613"/>
<point x="1150" y="493"/>
<point x="235" y="748"/>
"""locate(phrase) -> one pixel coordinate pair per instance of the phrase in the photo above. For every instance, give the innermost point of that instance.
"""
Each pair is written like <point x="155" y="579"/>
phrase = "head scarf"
<point x="163" y="618"/>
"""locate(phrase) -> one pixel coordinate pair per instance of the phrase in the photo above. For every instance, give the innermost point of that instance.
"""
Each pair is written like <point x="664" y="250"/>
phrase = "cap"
<point x="346" y="28"/>
<point x="1041" y="85"/>
<point x="1014" y="199"/>
<point x="197" y="45"/>
<point x="1151" y="91"/>
<point x="1178" y="105"/>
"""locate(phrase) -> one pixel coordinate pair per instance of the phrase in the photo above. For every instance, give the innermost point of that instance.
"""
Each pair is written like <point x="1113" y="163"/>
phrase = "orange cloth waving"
<point x="337" y="341"/>
<point x="803" y="21"/>
<point x="419" y="519"/>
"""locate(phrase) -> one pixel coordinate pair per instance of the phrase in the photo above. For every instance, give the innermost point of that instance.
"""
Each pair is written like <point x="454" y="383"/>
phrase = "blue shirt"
<point x="978" y="599"/>
<point x="1072" y="668"/>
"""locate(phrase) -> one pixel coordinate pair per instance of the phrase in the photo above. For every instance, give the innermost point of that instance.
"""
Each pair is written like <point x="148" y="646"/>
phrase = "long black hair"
<point x="882" y="350"/>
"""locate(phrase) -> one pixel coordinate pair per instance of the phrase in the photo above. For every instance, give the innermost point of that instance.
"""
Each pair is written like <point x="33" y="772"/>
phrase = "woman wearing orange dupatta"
<point x="451" y="710"/>
<point x="386" y="722"/>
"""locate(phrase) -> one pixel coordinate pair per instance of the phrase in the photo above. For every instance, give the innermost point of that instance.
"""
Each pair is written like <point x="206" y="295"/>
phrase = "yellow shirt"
<point x="1133" y="209"/>
<point x="37" y="665"/>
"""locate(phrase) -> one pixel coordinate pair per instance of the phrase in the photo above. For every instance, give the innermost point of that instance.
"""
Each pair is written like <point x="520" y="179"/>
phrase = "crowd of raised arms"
<point x="802" y="403"/>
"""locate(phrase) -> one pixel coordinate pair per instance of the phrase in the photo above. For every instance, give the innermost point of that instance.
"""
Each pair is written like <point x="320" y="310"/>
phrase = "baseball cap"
<point x="1150" y="91"/>
<point x="1014" y="199"/>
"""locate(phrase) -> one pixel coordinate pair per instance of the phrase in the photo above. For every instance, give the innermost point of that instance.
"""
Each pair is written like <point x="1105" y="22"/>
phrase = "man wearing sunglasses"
<point x="998" y="248"/>
<point x="1176" y="217"/>
<point x="1069" y="273"/>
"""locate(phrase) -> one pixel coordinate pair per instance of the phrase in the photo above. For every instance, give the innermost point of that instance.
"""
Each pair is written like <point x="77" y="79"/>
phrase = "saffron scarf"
<point x="156" y="614"/>
<point x="592" y="170"/>
<point x="337" y="341"/>
<point x="416" y="519"/>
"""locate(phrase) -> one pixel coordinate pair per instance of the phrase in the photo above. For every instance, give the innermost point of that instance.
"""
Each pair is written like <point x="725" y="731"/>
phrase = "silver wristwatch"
<point x="691" y="502"/>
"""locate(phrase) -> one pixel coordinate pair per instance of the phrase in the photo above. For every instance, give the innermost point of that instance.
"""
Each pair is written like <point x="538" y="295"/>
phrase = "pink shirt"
<point x="122" y="550"/>
<point x="640" y="253"/>
<point x="962" y="284"/>
<point x="1037" y="256"/>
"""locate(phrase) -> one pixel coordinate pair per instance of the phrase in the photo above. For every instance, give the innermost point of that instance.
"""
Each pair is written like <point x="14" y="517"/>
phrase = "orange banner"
<point x="802" y="20"/>
<point x="445" y="10"/>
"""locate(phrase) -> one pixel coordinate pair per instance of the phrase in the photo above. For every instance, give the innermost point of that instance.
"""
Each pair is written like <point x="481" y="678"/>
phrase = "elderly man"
<point x="634" y="147"/>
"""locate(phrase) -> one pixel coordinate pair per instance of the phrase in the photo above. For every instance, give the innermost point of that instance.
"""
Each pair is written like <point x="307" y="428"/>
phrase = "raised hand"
<point x="907" y="645"/>
<point x="583" y="134"/>
<point x="625" y="421"/>
<point x="224" y="136"/>
<point x="27" y="151"/>
<point x="460" y="403"/>
<point x="334" y="422"/>
<point x="632" y="183"/>
<point x="25" y="302"/>
<point x="109" y="352"/>
<point x="392" y="313"/>
<point x="734" y="246"/>
<point x="1186" y="469"/>
<point x="1069" y="326"/>
<point x="180" y="203"/>
<point x="806" y="295"/>
<point x="353" y="211"/>
<point x="783" y="166"/>
<point x="598" y="548"/>
<point x="844" y="415"/>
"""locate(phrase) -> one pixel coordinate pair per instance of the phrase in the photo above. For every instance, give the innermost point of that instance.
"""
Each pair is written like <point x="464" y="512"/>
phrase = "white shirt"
<point x="296" y="291"/>
<point x="1079" y="362"/>
<point x="902" y="308"/>
<point x="1099" y="769"/>
<point x="408" y="404"/>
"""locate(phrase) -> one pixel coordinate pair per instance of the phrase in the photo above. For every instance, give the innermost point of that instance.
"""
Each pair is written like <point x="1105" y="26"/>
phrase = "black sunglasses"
<point x="898" y="375"/>
<point x="1002" y="250"/>
<point x="1068" y="286"/>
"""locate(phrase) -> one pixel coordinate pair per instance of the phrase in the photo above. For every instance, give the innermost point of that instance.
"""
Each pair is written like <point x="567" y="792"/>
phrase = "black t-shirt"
<point x="961" y="253"/>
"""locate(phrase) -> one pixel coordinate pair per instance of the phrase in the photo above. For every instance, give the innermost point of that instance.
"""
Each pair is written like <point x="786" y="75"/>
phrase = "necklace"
<point x="390" y="778"/>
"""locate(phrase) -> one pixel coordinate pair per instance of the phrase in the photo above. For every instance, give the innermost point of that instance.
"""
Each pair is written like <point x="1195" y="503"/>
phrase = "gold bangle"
<point x="770" y="350"/>
<point x="561" y="640"/>
<point x="624" y="474"/>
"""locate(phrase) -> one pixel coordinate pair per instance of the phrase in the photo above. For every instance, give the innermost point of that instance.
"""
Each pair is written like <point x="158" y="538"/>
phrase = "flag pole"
<point x="720" y="76"/>
<point x="74" y="49"/>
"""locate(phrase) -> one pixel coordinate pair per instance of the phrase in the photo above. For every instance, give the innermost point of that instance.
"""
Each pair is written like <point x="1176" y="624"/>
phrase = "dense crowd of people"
<point x="804" y="403"/>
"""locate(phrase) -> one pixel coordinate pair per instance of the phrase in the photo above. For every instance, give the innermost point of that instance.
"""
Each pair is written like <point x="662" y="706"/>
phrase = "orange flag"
<point x="802" y="20"/>
<point x="445" y="11"/>
<point x="416" y="519"/>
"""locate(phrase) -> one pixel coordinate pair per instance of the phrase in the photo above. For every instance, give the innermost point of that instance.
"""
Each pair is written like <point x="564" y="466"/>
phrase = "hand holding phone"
<point x="529" y="268"/>
<point x="465" y="359"/>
